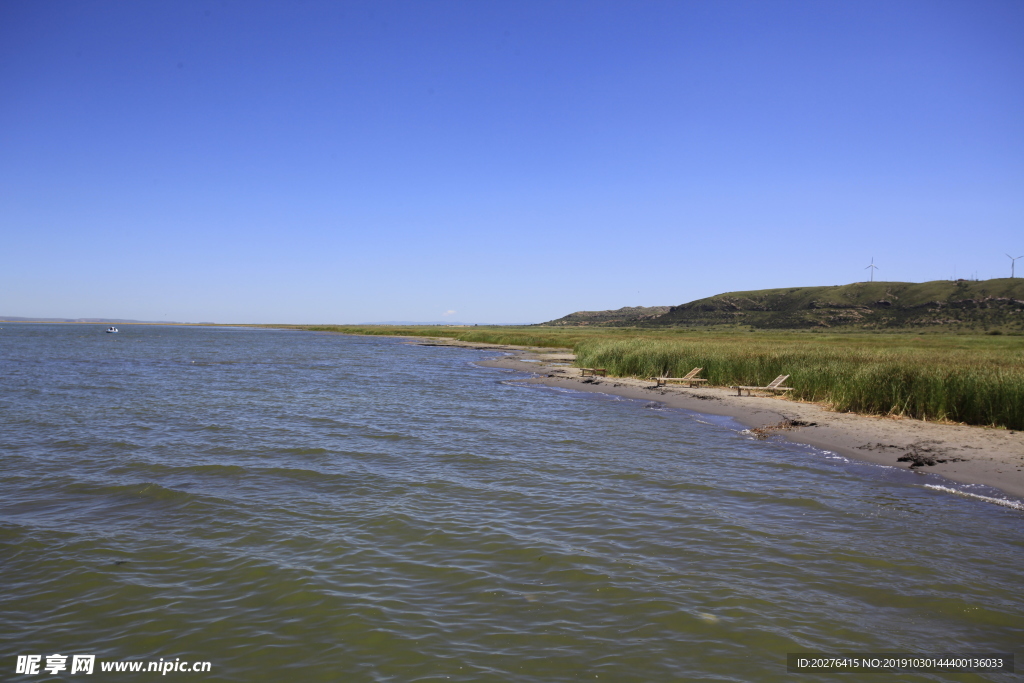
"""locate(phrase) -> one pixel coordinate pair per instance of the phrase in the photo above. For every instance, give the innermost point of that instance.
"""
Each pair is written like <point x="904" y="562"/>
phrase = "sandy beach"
<point x="961" y="453"/>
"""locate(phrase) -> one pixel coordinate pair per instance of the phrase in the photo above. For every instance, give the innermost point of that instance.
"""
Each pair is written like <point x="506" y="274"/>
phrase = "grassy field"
<point x="976" y="380"/>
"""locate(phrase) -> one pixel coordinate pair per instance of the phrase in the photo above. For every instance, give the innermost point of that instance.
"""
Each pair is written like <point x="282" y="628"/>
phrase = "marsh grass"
<point x="981" y="387"/>
<point x="971" y="379"/>
<point x="517" y="336"/>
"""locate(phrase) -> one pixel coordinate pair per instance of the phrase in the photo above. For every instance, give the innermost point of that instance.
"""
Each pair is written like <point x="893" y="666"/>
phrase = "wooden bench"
<point x="594" y="371"/>
<point x="690" y="377"/>
<point x="775" y="385"/>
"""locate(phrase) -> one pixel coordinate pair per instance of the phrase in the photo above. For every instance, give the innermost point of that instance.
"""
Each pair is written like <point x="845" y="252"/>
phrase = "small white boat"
<point x="111" y="329"/>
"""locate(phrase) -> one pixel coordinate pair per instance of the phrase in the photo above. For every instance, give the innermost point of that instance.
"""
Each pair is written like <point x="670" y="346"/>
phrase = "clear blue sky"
<point x="508" y="161"/>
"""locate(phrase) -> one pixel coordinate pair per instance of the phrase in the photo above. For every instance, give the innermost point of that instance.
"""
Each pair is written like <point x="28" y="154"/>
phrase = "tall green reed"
<point x="970" y="386"/>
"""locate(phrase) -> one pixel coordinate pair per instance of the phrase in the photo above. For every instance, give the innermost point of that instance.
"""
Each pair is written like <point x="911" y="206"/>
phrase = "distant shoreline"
<point x="991" y="457"/>
<point x="973" y="455"/>
<point x="116" y="322"/>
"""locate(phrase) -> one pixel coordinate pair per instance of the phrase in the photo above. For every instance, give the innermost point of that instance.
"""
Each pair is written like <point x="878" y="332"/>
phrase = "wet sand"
<point x="961" y="453"/>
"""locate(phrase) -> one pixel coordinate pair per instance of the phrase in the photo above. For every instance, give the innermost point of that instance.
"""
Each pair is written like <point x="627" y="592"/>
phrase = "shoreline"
<point x="973" y="455"/>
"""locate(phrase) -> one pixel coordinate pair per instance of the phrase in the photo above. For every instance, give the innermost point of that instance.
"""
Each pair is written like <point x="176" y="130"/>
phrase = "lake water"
<point x="299" y="506"/>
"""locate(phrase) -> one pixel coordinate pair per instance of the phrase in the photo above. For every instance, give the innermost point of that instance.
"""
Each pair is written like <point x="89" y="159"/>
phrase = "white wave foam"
<point x="998" y="501"/>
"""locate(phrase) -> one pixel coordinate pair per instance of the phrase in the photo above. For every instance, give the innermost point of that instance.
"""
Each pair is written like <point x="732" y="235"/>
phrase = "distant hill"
<point x="16" y="319"/>
<point x="443" y="323"/>
<point x="630" y="315"/>
<point x="995" y="304"/>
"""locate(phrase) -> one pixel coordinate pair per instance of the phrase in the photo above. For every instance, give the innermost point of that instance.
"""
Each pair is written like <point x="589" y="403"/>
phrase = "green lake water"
<point x="314" y="507"/>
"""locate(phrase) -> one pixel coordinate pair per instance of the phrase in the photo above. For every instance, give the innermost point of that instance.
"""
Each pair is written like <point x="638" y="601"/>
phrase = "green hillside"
<point x="630" y="315"/>
<point x="978" y="306"/>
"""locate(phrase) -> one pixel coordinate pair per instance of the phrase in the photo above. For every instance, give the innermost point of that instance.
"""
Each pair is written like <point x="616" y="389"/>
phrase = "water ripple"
<point x="296" y="505"/>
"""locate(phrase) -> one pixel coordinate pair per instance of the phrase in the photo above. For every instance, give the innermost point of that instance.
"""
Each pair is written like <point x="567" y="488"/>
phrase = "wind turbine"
<point x="1013" y="262"/>
<point x="873" y="268"/>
